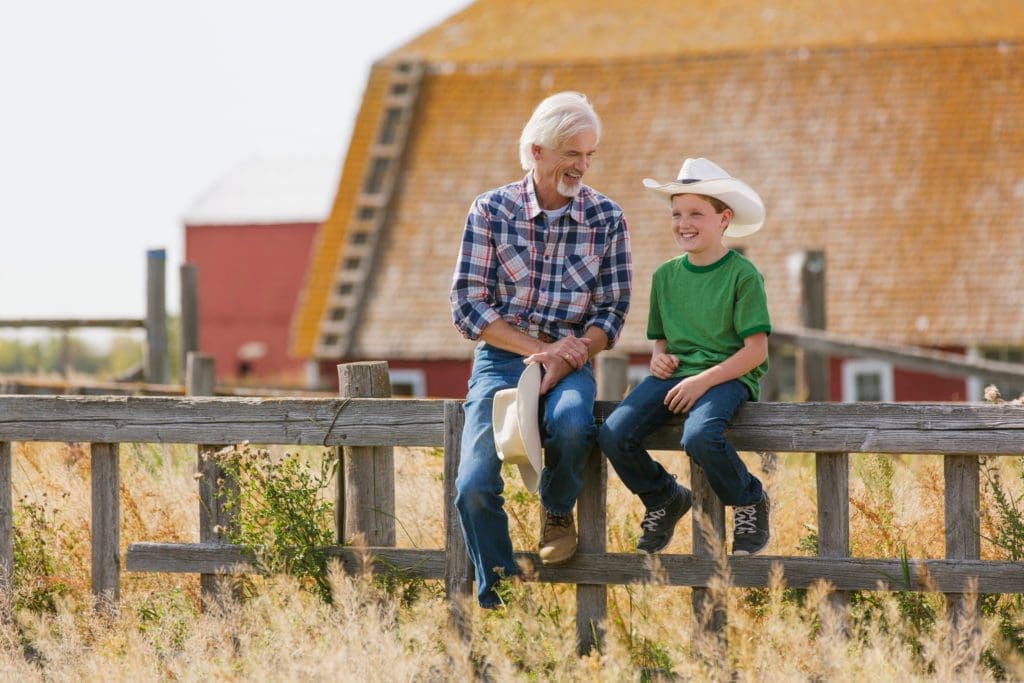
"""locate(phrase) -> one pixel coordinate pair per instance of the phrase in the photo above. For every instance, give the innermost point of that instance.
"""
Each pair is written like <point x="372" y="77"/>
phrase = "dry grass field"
<point x="398" y="629"/>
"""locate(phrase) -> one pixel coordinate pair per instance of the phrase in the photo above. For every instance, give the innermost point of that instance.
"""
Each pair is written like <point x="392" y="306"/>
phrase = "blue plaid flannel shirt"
<point x="559" y="279"/>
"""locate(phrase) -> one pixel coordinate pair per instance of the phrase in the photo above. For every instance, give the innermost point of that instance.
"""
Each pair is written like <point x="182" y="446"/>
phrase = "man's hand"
<point x="663" y="365"/>
<point x="560" y="358"/>
<point x="682" y="396"/>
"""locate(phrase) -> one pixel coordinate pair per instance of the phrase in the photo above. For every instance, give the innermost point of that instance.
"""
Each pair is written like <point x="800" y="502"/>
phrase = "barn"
<point x="886" y="138"/>
<point x="249" y="237"/>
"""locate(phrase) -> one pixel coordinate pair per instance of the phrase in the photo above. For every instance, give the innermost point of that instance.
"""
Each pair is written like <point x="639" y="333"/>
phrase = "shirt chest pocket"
<point x="513" y="262"/>
<point x="581" y="272"/>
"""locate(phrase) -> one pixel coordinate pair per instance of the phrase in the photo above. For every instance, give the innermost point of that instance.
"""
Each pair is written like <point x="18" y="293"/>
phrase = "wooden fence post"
<point x="710" y="617"/>
<point x="106" y="524"/>
<point x="366" y="489"/>
<point x="833" y="484"/>
<point x="812" y="315"/>
<point x="214" y="520"/>
<point x="156" y="317"/>
<point x="963" y="523"/>
<point x="188" y="324"/>
<point x="592" y="510"/>
<point x="6" y="527"/>
<point x="458" y="572"/>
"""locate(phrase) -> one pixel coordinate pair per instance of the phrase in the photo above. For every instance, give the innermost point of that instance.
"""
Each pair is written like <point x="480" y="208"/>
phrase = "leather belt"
<point x="546" y="338"/>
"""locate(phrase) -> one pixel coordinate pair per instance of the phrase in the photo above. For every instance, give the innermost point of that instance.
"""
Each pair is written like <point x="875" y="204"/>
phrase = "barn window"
<point x="338" y="314"/>
<point x="408" y="382"/>
<point x="352" y="263"/>
<point x="367" y="212"/>
<point x="330" y="340"/>
<point x="867" y="380"/>
<point x="344" y="289"/>
<point x="360" y="237"/>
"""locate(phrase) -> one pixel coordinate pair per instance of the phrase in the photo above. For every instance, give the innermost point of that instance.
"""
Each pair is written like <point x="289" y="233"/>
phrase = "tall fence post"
<point x="592" y="510"/>
<point x="812" y="316"/>
<point x="215" y="522"/>
<point x="6" y="528"/>
<point x="963" y="523"/>
<point x="106" y="524"/>
<point x="458" y="577"/>
<point x="188" y="324"/>
<point x="156" y="317"/>
<point x="366" y="491"/>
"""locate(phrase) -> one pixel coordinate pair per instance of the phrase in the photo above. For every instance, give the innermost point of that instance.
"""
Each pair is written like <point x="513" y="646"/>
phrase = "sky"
<point x="118" y="115"/>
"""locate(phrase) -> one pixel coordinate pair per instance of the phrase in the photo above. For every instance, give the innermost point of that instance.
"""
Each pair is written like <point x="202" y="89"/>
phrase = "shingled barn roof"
<point x="888" y="134"/>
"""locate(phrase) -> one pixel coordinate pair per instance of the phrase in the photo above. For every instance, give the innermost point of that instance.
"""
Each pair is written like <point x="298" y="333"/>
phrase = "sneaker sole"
<point x="755" y="551"/>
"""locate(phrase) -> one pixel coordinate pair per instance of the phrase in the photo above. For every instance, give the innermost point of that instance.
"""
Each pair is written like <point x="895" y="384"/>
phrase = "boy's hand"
<point x="663" y="365"/>
<point x="682" y="396"/>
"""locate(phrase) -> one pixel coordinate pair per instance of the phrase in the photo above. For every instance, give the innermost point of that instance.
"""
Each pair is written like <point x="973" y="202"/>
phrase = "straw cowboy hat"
<point x="516" y="427"/>
<point x="700" y="176"/>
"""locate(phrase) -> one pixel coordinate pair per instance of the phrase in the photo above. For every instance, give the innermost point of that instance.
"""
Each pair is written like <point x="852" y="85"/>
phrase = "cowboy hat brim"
<point x="747" y="208"/>
<point x="517" y="427"/>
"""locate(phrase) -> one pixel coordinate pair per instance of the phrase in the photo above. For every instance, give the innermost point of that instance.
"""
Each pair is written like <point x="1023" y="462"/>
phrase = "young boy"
<point x="709" y="323"/>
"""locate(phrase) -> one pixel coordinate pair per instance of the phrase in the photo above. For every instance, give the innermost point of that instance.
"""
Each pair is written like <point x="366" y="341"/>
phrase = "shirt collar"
<point x="532" y="206"/>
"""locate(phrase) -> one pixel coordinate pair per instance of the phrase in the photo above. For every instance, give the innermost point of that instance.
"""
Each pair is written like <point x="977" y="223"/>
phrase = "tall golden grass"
<point x="373" y="633"/>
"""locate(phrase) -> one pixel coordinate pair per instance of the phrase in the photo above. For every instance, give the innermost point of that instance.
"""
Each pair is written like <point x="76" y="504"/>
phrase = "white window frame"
<point x="864" y="366"/>
<point x="417" y="379"/>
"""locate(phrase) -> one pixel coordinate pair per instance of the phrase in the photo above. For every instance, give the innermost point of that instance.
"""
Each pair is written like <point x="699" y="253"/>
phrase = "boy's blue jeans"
<point x="643" y="411"/>
<point x="568" y="433"/>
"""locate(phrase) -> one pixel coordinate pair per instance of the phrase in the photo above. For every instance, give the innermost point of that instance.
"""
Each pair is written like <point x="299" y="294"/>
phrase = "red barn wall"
<point x="249" y="279"/>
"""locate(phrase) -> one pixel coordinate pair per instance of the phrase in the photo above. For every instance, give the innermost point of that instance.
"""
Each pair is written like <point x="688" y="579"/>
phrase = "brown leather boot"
<point x="557" y="538"/>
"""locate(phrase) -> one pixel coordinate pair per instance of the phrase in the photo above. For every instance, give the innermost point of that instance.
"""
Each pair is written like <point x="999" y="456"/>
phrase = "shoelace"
<point x="650" y="522"/>
<point x="744" y="519"/>
<point x="558" y="520"/>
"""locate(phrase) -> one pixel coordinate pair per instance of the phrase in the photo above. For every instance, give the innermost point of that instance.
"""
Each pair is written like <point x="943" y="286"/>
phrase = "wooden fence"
<point x="367" y="429"/>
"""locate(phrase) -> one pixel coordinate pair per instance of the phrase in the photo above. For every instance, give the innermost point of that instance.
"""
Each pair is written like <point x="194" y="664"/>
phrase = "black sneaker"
<point x="750" y="527"/>
<point x="660" y="523"/>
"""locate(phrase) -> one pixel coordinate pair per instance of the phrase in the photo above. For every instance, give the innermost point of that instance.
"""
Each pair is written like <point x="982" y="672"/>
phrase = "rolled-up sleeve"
<point x="611" y="298"/>
<point x="473" y="283"/>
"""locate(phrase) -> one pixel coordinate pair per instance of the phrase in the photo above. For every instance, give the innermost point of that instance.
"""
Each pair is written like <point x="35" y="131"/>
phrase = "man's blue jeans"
<point x="643" y="411"/>
<point x="568" y="433"/>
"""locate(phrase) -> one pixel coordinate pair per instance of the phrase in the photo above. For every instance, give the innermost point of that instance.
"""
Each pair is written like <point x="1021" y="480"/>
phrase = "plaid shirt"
<point x="559" y="279"/>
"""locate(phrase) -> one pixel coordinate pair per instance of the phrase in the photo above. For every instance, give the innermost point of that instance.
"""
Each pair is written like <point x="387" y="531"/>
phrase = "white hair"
<point x="555" y="120"/>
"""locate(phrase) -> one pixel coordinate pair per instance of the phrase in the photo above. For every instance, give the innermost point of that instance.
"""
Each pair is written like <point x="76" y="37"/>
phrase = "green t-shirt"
<point x="705" y="312"/>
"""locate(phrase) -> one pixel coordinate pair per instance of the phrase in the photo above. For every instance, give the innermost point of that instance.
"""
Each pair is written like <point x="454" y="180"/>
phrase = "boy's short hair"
<point x="717" y="203"/>
<point x="555" y="120"/>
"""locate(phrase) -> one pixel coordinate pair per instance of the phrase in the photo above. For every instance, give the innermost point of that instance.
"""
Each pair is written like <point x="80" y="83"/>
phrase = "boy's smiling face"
<point x="698" y="229"/>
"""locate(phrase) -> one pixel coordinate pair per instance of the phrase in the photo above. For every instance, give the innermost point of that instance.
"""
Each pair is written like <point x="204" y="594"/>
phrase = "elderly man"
<point x="543" y="276"/>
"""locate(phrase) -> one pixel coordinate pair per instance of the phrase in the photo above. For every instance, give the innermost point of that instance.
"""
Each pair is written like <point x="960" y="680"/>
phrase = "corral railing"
<point x="362" y="426"/>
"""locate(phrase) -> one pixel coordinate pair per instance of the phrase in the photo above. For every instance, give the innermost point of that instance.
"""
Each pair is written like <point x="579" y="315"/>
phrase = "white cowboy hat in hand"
<point x="700" y="176"/>
<point x="517" y="429"/>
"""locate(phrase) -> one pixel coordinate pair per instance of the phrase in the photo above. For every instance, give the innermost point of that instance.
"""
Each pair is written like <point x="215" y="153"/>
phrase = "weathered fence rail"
<point x="960" y="432"/>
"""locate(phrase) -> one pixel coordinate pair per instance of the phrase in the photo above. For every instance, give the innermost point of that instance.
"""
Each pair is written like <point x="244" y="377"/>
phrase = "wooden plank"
<point x="941" y="428"/>
<point x="910" y="357"/>
<point x="948" y="576"/>
<point x="369" y="471"/>
<point x="71" y="323"/>
<point x="223" y="420"/>
<point x="106" y="524"/>
<point x="6" y="517"/>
